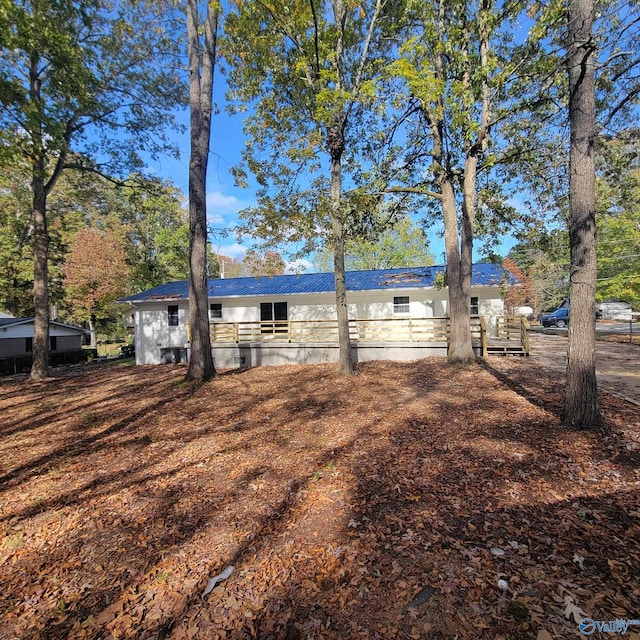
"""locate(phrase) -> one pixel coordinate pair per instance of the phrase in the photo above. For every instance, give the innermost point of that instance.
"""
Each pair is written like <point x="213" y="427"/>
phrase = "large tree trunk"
<point x="346" y="364"/>
<point x="39" y="368"/>
<point x="201" y="365"/>
<point x="335" y="142"/>
<point x="458" y="281"/>
<point x="581" y="401"/>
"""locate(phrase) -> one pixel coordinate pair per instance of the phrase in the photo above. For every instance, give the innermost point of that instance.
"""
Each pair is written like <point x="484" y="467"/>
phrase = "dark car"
<point x="127" y="351"/>
<point x="559" y="318"/>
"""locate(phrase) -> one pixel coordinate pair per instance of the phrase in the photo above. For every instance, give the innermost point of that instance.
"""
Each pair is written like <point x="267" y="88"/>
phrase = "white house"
<point x="396" y="314"/>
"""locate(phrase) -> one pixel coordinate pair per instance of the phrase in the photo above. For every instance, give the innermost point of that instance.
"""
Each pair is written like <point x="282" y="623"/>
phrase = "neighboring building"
<point x="16" y="336"/>
<point x="613" y="310"/>
<point x="291" y="303"/>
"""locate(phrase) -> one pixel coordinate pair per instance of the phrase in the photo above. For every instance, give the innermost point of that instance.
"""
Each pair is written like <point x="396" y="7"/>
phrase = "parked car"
<point x="559" y="318"/>
<point x="127" y="351"/>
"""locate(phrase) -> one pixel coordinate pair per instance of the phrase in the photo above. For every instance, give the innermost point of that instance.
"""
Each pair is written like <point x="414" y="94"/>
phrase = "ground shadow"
<point x="387" y="505"/>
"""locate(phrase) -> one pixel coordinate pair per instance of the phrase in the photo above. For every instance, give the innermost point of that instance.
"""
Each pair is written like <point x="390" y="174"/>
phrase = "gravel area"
<point x="617" y="365"/>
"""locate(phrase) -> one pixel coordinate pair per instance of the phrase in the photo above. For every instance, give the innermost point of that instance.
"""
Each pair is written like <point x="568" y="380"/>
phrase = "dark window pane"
<point x="280" y="310"/>
<point x="401" y="304"/>
<point x="172" y="315"/>
<point x="266" y="311"/>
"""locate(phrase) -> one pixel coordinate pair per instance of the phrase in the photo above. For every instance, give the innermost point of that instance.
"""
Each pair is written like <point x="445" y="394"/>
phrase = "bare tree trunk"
<point x="459" y="275"/>
<point x="40" y="365"/>
<point x="581" y="401"/>
<point x="201" y="69"/>
<point x="460" y="350"/>
<point x="346" y="365"/>
<point x="458" y="244"/>
<point x="40" y="368"/>
<point x="336" y="145"/>
<point x="92" y="330"/>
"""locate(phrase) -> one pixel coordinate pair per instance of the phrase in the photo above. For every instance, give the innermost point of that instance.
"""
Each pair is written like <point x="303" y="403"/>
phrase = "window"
<point x="400" y="304"/>
<point x="270" y="312"/>
<point x="53" y="343"/>
<point x="29" y="345"/>
<point x="172" y="315"/>
<point x="475" y="307"/>
<point x="215" y="311"/>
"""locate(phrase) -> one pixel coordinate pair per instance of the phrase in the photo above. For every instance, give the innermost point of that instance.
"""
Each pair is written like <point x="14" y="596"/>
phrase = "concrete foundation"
<point x="260" y="354"/>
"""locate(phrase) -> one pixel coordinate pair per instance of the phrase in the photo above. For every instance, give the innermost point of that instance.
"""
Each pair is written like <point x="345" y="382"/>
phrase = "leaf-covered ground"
<point x="412" y="501"/>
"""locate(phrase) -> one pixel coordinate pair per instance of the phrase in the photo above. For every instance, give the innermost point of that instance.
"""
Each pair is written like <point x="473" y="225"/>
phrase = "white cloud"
<point x="219" y="203"/>
<point x="236" y="251"/>
<point x="300" y="265"/>
<point x="214" y="218"/>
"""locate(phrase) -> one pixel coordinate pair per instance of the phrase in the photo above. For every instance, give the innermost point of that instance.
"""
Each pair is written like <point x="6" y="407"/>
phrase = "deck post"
<point x="483" y="337"/>
<point x="525" y="332"/>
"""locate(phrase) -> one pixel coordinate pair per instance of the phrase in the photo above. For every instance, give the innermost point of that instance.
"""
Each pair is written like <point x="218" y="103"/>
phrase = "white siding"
<point x="153" y="332"/>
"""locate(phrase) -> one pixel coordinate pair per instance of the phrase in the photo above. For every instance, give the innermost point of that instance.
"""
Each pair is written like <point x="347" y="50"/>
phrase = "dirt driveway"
<point x="617" y="364"/>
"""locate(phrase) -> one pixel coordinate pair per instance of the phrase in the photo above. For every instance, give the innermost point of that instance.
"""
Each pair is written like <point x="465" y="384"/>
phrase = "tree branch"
<point x="423" y="191"/>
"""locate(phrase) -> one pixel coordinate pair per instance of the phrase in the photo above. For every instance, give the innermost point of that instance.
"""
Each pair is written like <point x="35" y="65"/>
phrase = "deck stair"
<point x="512" y="337"/>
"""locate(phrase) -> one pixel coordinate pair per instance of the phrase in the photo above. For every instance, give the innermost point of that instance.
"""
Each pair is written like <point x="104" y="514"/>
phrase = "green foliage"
<point x="94" y="70"/>
<point x="619" y="257"/>
<point x="544" y="253"/>
<point x="16" y="250"/>
<point x="147" y="216"/>
<point x="313" y="77"/>
<point x="618" y="219"/>
<point x="400" y="245"/>
<point x="268" y="264"/>
<point x="155" y="226"/>
<point x="544" y="259"/>
<point x="81" y="87"/>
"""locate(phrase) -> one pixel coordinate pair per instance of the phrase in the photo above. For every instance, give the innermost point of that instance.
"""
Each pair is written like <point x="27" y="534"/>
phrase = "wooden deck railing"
<point x="362" y="331"/>
<point x="515" y="329"/>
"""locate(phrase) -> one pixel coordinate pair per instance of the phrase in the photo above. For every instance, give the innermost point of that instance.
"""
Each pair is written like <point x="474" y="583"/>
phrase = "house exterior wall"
<point x="12" y="347"/>
<point x="13" y="339"/>
<point x="153" y="335"/>
<point x="66" y="343"/>
<point x="620" y="311"/>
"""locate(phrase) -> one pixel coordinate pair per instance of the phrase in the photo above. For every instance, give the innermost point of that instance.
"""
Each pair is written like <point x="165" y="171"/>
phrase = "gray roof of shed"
<point x="483" y="274"/>
<point x="8" y="322"/>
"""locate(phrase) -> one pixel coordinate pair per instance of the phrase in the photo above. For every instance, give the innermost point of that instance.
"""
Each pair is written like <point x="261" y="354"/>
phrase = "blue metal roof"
<point x="483" y="274"/>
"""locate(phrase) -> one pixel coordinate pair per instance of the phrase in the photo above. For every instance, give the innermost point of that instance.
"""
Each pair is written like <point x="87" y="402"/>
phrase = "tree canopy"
<point x="311" y="72"/>
<point x="402" y="245"/>
<point x="81" y="87"/>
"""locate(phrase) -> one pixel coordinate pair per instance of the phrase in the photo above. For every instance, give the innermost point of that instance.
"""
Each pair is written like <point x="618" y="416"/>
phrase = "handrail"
<point x="360" y="330"/>
<point x="514" y="328"/>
